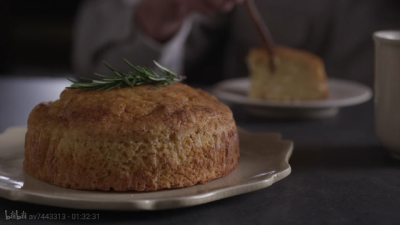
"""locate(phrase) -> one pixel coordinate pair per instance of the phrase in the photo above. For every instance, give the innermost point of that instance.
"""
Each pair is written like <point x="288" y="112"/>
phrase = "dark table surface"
<point x="340" y="173"/>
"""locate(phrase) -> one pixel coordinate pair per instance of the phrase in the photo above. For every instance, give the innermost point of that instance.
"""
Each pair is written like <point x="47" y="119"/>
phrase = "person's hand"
<point x="161" y="19"/>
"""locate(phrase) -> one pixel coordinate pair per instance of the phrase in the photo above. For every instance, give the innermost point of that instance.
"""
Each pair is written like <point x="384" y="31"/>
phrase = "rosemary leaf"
<point x="137" y="77"/>
<point x="115" y="86"/>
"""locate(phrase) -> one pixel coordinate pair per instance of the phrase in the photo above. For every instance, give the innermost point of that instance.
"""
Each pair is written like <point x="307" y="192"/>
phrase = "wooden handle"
<point x="263" y="32"/>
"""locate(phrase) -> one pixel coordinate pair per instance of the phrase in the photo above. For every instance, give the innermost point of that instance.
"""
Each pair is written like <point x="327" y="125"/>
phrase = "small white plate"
<point x="264" y="161"/>
<point x="342" y="93"/>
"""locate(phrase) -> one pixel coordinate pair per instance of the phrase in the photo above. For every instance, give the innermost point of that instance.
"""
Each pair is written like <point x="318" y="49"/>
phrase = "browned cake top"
<point x="175" y="107"/>
<point x="289" y="54"/>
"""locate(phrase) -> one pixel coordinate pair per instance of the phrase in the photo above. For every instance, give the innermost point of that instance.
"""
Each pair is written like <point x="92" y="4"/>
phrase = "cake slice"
<point x="299" y="76"/>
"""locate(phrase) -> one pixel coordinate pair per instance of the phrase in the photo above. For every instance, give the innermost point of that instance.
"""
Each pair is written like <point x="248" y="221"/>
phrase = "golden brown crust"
<point x="131" y="139"/>
<point x="291" y="53"/>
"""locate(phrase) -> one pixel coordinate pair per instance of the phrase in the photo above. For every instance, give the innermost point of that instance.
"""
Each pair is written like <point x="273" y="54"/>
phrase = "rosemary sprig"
<point x="138" y="76"/>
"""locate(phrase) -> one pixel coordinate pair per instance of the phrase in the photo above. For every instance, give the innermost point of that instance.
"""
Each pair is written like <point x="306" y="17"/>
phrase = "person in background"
<point x="208" y="40"/>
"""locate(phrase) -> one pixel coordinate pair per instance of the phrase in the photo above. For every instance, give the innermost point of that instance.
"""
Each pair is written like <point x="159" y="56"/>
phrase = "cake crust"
<point x="131" y="139"/>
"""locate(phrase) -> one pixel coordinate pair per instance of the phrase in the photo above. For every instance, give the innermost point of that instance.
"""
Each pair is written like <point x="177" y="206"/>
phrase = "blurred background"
<point x="36" y="37"/>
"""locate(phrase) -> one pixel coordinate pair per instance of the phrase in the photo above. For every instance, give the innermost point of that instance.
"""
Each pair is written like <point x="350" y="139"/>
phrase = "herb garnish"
<point x="137" y="77"/>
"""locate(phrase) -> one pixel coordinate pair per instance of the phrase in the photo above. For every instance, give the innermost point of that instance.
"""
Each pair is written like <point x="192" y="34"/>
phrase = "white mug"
<point x="387" y="90"/>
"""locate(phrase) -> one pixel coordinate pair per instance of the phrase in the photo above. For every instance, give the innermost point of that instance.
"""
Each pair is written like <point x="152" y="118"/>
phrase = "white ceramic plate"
<point x="342" y="93"/>
<point x="264" y="161"/>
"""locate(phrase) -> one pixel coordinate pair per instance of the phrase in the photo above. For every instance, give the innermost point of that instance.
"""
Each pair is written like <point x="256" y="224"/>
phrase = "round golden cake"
<point x="131" y="139"/>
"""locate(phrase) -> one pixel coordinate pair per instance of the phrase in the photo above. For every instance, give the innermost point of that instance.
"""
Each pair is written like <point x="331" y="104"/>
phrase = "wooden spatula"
<point x="263" y="32"/>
